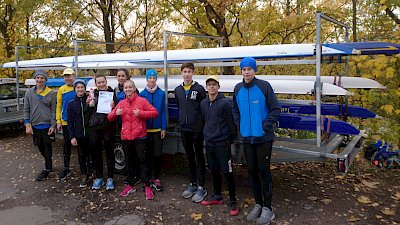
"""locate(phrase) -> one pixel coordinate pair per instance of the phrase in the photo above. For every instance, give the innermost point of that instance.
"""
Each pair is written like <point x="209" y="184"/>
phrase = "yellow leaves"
<point x="396" y="196"/>
<point x="390" y="72"/>
<point x="364" y="200"/>
<point x="382" y="2"/>
<point x="387" y="108"/>
<point x="388" y="212"/>
<point x="383" y="8"/>
<point x="353" y="219"/>
<point x="196" y="216"/>
<point x="369" y="184"/>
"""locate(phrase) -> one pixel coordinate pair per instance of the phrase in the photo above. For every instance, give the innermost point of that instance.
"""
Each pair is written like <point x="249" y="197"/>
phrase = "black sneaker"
<point x="136" y="181"/>
<point x="156" y="184"/>
<point x="83" y="182"/>
<point x="42" y="175"/>
<point x="64" y="174"/>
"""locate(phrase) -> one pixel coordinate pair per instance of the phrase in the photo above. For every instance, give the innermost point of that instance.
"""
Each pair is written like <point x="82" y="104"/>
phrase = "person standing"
<point x="77" y="129"/>
<point x="219" y="132"/>
<point x="65" y="94"/>
<point x="156" y="128"/>
<point x="101" y="135"/>
<point x="40" y="119"/>
<point x="188" y="96"/>
<point x="134" y="111"/>
<point x="255" y="111"/>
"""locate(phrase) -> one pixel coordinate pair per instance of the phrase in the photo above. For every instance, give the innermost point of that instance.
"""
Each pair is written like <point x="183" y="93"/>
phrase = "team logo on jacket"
<point x="255" y="101"/>
<point x="193" y="95"/>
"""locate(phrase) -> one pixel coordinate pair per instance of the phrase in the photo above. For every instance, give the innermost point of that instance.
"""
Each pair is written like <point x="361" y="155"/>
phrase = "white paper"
<point x="104" y="102"/>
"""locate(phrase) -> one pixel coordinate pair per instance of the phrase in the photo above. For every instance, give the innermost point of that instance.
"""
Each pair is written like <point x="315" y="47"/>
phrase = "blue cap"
<point x="151" y="73"/>
<point x="248" y="62"/>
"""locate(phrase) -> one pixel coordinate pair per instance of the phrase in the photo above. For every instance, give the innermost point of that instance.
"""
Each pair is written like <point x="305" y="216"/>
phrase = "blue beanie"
<point x="248" y="62"/>
<point x="79" y="82"/>
<point x="151" y="73"/>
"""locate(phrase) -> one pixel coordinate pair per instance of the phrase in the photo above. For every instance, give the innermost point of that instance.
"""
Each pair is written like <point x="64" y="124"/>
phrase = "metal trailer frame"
<point x="292" y="149"/>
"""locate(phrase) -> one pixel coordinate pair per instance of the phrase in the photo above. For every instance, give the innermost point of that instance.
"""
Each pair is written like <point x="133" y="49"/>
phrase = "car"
<point x="10" y="115"/>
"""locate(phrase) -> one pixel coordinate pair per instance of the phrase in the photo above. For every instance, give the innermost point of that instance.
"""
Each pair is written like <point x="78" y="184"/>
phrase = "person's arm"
<point x="274" y="109"/>
<point x="163" y="113"/>
<point x="227" y="113"/>
<point x="112" y="116"/>
<point x="147" y="110"/>
<point x="71" y="121"/>
<point x="235" y="109"/>
<point x="53" y="106"/>
<point x="59" y="108"/>
<point x="27" y="116"/>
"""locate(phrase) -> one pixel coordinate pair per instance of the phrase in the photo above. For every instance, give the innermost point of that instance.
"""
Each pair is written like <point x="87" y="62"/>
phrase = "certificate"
<point x="105" y="101"/>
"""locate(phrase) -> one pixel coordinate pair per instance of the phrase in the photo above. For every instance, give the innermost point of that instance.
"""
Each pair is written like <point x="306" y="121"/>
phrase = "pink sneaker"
<point x="149" y="193"/>
<point x="127" y="190"/>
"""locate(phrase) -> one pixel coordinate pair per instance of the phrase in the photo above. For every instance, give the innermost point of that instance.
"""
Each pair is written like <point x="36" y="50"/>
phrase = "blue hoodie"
<point x="157" y="99"/>
<point x="255" y="110"/>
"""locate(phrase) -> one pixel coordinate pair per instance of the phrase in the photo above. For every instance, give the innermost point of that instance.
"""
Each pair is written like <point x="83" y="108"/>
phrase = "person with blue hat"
<point x="256" y="110"/>
<point x="78" y="117"/>
<point x="156" y="128"/>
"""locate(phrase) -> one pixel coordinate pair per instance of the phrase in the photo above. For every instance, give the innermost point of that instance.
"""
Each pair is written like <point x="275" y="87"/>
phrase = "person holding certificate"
<point x="101" y="132"/>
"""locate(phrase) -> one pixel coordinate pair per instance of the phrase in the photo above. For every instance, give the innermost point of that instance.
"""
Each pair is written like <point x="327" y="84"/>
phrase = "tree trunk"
<point x="354" y="20"/>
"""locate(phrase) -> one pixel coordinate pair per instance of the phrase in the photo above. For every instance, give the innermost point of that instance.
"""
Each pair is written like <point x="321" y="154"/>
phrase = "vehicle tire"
<point x="120" y="158"/>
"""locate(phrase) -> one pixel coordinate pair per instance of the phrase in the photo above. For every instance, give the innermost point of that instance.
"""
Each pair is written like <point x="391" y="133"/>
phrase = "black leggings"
<point x="219" y="162"/>
<point x="189" y="140"/>
<point x="97" y="138"/>
<point x="136" y="153"/>
<point x="153" y="153"/>
<point x="258" y="158"/>
<point x="43" y="142"/>
<point x="67" y="146"/>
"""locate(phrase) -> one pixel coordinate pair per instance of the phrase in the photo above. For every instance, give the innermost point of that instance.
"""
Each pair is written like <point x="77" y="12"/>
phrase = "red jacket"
<point x="133" y="127"/>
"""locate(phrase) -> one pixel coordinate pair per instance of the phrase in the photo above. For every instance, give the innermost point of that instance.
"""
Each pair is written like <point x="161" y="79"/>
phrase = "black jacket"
<point x="189" y="107"/>
<point x="219" y="128"/>
<point x="77" y="117"/>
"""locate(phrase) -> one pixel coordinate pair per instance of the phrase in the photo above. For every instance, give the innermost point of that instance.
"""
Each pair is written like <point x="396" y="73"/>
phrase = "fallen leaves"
<point x="364" y="200"/>
<point x="370" y="184"/>
<point x="388" y="212"/>
<point x="196" y="216"/>
<point x="396" y="196"/>
<point x="353" y="219"/>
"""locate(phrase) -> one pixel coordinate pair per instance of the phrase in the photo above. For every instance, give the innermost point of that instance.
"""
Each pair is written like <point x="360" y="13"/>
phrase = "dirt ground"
<point x="304" y="193"/>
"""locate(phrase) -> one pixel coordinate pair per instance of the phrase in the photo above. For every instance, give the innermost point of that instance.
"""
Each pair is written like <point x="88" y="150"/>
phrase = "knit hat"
<point x="40" y="72"/>
<point x="79" y="82"/>
<point x="151" y="73"/>
<point x="68" y="71"/>
<point x="248" y="62"/>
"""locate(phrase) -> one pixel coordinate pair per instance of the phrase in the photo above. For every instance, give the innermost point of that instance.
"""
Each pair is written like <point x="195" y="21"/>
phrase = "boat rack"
<point x="285" y="149"/>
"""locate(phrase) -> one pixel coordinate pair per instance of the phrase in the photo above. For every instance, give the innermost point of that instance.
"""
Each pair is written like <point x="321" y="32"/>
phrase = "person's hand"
<point x="51" y="131"/>
<point x="118" y="112"/>
<point x="112" y="104"/>
<point x="28" y="129"/>
<point x="74" y="142"/>
<point x="59" y="127"/>
<point x="163" y="134"/>
<point x="88" y="99"/>
<point x="136" y="112"/>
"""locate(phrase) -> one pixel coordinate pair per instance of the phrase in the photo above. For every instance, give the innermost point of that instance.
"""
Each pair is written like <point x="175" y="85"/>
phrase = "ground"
<point x="304" y="193"/>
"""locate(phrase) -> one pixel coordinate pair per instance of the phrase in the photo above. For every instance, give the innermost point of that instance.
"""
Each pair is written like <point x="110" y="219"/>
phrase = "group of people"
<point x="140" y="118"/>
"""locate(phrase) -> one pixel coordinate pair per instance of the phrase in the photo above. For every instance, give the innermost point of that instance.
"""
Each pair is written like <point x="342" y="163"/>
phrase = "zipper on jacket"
<point x="248" y="98"/>
<point x="152" y="101"/>
<point x="83" y="119"/>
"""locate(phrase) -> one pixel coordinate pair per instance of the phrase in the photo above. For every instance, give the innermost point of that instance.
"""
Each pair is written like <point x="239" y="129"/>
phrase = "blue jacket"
<point x="219" y="128"/>
<point x="157" y="99"/>
<point x="77" y="117"/>
<point x="255" y="110"/>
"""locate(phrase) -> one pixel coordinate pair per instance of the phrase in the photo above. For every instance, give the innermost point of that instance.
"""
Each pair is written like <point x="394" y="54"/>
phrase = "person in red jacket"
<point x="134" y="110"/>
